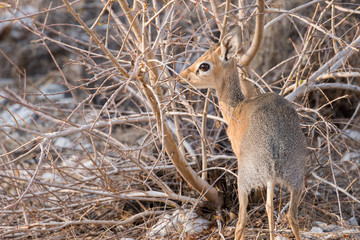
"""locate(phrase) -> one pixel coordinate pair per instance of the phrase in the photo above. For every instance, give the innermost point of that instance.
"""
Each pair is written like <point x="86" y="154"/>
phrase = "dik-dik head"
<point x="216" y="64"/>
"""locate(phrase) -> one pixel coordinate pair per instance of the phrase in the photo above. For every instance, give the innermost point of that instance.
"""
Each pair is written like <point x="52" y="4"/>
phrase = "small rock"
<point x="163" y="227"/>
<point x="331" y="236"/>
<point x="71" y="161"/>
<point x="63" y="142"/>
<point x="2" y="99"/>
<point x="50" y="177"/>
<point x="279" y="237"/>
<point x="316" y="230"/>
<point x="53" y="91"/>
<point x="353" y="134"/>
<point x="352" y="222"/>
<point x="331" y="228"/>
<point x="179" y="221"/>
<point x="349" y="156"/>
<point x="16" y="28"/>
<point x="83" y="146"/>
<point x="47" y="176"/>
<point x="5" y="81"/>
<point x="319" y="224"/>
<point x="19" y="114"/>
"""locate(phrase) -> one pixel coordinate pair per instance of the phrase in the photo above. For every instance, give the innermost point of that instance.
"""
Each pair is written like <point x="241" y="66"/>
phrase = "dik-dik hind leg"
<point x="293" y="212"/>
<point x="270" y="207"/>
<point x="241" y="223"/>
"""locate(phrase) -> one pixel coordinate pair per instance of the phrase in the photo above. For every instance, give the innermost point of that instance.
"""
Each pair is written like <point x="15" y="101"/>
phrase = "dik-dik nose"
<point x="183" y="77"/>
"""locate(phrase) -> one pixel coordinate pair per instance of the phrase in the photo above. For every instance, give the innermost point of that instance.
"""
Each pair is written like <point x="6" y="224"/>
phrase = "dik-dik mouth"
<point x="183" y="82"/>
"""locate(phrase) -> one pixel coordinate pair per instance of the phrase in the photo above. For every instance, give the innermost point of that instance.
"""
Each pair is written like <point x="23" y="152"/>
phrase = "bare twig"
<point x="178" y="160"/>
<point x="203" y="136"/>
<point x="59" y="225"/>
<point x="335" y="186"/>
<point x="313" y="87"/>
<point x="95" y="38"/>
<point x="259" y="31"/>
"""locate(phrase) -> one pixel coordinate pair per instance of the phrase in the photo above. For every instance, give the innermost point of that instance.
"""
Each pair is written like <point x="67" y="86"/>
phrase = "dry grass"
<point x="96" y="163"/>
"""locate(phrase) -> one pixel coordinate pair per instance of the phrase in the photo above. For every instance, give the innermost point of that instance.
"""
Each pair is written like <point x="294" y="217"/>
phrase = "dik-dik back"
<point x="267" y="139"/>
<point x="264" y="130"/>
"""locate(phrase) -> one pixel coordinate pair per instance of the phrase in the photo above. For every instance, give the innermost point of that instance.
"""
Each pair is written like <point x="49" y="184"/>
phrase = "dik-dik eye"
<point x="204" y="67"/>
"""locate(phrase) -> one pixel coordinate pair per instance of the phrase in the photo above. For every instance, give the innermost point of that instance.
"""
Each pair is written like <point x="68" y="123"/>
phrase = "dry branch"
<point x="53" y="226"/>
<point x="258" y="36"/>
<point x="329" y="67"/>
<point x="96" y="39"/>
<point x="335" y="186"/>
<point x="202" y="186"/>
<point x="277" y="19"/>
<point x="171" y="148"/>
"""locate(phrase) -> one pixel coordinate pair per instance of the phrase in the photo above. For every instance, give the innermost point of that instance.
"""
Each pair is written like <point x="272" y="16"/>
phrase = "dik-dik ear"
<point x="231" y="44"/>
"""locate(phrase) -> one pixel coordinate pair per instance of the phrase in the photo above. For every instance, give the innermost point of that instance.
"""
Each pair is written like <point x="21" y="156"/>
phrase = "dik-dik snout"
<point x="215" y="65"/>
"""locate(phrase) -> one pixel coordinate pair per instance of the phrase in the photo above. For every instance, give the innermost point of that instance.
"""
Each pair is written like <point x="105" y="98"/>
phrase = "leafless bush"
<point x="100" y="156"/>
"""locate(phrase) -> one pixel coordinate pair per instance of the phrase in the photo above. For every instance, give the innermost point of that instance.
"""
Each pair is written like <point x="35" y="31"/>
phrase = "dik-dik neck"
<point x="229" y="92"/>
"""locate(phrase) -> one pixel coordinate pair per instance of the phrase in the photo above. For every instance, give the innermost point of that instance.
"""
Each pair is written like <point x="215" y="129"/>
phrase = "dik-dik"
<point x="264" y="131"/>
